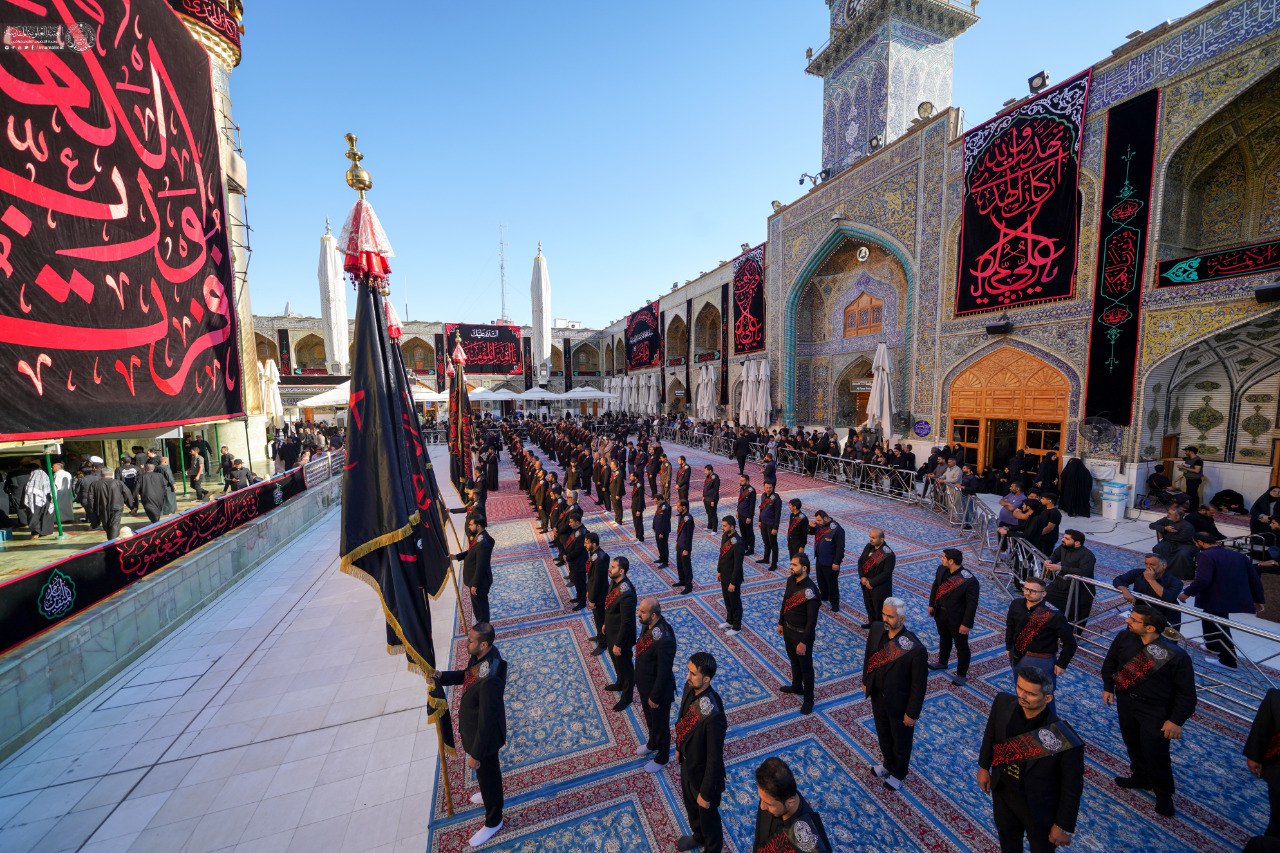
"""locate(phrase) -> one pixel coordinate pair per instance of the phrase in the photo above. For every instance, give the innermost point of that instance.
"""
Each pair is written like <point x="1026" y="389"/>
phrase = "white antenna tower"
<point x="502" y="270"/>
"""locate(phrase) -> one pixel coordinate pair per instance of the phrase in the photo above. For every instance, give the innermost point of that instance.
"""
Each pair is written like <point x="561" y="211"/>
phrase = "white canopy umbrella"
<point x="655" y="393"/>
<point x="880" y="403"/>
<point x="479" y="395"/>
<point x="586" y="392"/>
<point x="764" y="401"/>
<point x="536" y="393"/>
<point x="701" y="393"/>
<point x="746" y="414"/>
<point x="269" y="383"/>
<point x="647" y="398"/>
<point x="628" y="393"/>
<point x="423" y="394"/>
<point x="503" y="394"/>
<point x="335" y="398"/>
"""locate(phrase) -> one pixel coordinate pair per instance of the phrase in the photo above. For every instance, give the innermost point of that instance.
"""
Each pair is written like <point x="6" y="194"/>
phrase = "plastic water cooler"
<point x="1115" y="498"/>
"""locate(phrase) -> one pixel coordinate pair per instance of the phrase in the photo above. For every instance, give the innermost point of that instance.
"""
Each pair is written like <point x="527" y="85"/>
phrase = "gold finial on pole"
<point x="357" y="178"/>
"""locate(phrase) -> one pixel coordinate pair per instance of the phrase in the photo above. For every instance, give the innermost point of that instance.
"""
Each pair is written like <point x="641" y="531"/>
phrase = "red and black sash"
<point x="791" y="526"/>
<point x="1272" y="754"/>
<point x="872" y="560"/>
<point x="887" y="654"/>
<point x="690" y="718"/>
<point x="680" y="526"/>
<point x="706" y="484"/>
<point x="612" y="596"/>
<point x="470" y="676"/>
<point x="1043" y="742"/>
<point x="1141" y="666"/>
<point x="779" y="843"/>
<point x="823" y="532"/>
<point x="795" y="600"/>
<point x="726" y="546"/>
<point x="946" y="587"/>
<point x="1034" y="624"/>
<point x="646" y="640"/>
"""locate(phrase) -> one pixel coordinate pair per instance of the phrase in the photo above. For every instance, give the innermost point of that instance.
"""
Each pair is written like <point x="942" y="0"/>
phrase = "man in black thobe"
<point x="699" y="741"/>
<point x="620" y="630"/>
<point x="477" y="571"/>
<point x="1152" y="683"/>
<point x="655" y="654"/>
<point x="1032" y="764"/>
<point x="785" y="820"/>
<point x="895" y="677"/>
<point x="482" y="721"/>
<point x="152" y="492"/>
<point x="107" y="499"/>
<point x="798" y="625"/>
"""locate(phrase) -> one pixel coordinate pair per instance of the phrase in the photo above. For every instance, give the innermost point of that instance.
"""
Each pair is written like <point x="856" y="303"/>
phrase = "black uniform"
<point x="1263" y="746"/>
<point x="107" y="499"/>
<point x="875" y="566"/>
<point x="1152" y="684"/>
<point x="798" y="618"/>
<point x="620" y="633"/>
<point x="1036" y="634"/>
<point x="828" y="554"/>
<point x="575" y="554"/>
<point x="615" y="494"/>
<point x="152" y="493"/>
<point x="1037" y="774"/>
<point x="637" y="509"/>
<point x="770" y="518"/>
<point x="802" y="831"/>
<point x="953" y="601"/>
<point x="682" y="482"/>
<point x="746" y="511"/>
<point x="597" y="589"/>
<point x="477" y="573"/>
<point x="655" y="679"/>
<point x="797" y="533"/>
<point x="729" y="569"/>
<point x="711" y="499"/>
<point x="684" y="551"/>
<point x="482" y="724"/>
<point x="662" y="531"/>
<point x="895" y="674"/>
<point x="700" y="733"/>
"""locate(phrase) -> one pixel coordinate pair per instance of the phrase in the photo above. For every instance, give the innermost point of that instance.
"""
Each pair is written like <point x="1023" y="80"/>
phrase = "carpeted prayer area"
<point x="574" y="783"/>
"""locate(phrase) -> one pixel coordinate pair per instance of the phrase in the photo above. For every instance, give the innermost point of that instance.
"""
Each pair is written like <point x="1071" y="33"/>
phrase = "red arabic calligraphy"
<point x="748" y="328"/>
<point x="111" y="223"/>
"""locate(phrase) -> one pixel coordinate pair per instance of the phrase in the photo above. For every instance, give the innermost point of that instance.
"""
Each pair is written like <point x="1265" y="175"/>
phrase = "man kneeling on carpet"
<point x="482" y="720"/>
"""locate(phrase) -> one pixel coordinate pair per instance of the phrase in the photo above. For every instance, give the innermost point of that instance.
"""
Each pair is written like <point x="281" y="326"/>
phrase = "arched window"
<point x="863" y="316"/>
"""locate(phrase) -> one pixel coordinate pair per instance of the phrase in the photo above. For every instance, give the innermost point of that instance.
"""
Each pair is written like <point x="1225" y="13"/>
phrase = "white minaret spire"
<point x="333" y="305"/>
<point x="540" y="290"/>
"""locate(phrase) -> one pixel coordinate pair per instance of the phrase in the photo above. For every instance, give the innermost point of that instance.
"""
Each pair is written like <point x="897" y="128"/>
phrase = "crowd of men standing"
<point x="1030" y="760"/>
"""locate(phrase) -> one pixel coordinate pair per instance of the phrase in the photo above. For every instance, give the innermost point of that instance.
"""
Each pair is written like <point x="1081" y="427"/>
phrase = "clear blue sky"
<point x="640" y="142"/>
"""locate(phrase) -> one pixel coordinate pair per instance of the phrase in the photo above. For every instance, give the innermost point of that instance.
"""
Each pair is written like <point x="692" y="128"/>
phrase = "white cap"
<point x="96" y="460"/>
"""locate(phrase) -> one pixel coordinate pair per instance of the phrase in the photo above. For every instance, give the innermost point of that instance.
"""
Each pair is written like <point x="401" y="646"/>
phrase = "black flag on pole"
<point x="460" y="426"/>
<point x="393" y="534"/>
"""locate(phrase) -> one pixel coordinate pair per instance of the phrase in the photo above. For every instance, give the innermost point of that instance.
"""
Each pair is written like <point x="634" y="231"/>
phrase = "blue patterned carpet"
<point x="574" y="783"/>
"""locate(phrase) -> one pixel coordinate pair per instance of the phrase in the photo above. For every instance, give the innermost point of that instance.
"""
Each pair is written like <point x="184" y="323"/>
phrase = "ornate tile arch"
<point x="1067" y="370"/>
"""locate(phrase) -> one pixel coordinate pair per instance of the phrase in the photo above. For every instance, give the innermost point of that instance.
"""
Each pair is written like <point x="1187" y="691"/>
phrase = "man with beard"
<point x="953" y="604"/>
<point x="895" y="677"/>
<point x="1036" y="635"/>
<point x="784" y="820"/>
<point x="615" y="491"/>
<point x="1032" y="763"/>
<point x="655" y="654"/>
<point x="662" y="530"/>
<point x="597" y="586"/>
<point x="699" y="741"/>
<point x="729" y="573"/>
<point x="575" y="554"/>
<point x="1071" y="558"/>
<point x="746" y="511"/>
<point x="477" y="572"/>
<point x="875" y="574"/>
<point x="828" y="554"/>
<point x="770" y="518"/>
<point x="711" y="496"/>
<point x="684" y="548"/>
<point x="482" y="722"/>
<point x="1152" y="683"/>
<point x="798" y="625"/>
<point x="797" y="529"/>
<point x="683" y="473"/>
<point x="637" y="507"/>
<point x="620" y="629"/>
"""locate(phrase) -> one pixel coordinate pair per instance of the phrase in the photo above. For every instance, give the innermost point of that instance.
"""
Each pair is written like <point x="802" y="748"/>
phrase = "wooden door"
<point x="1169" y="454"/>
<point x="1008" y="386"/>
<point x="1275" y="461"/>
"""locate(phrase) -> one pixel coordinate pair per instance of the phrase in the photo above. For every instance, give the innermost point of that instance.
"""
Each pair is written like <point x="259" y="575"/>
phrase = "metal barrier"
<point x="324" y="468"/>
<point x="790" y="459"/>
<point x="1237" y="692"/>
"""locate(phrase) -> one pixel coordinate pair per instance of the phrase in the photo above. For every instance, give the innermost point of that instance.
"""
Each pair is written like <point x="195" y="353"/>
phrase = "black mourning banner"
<point x="37" y="601"/>
<point x="115" y="277"/>
<point x="489" y="349"/>
<point x="748" y="301"/>
<point x="644" y="338"/>
<point x="1127" y="177"/>
<point x="1018" y="234"/>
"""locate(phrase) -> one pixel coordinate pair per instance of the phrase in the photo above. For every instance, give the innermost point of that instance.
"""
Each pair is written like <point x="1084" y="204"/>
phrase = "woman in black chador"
<point x="1077" y="488"/>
